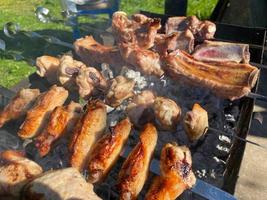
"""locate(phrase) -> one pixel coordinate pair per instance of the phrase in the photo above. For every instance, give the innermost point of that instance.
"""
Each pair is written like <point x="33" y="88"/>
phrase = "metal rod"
<point x="257" y="96"/>
<point x="235" y="136"/>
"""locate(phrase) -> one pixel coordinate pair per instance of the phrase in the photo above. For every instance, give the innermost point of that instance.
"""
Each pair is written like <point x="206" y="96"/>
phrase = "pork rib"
<point x="228" y="80"/>
<point x="93" y="53"/>
<point x="214" y="51"/>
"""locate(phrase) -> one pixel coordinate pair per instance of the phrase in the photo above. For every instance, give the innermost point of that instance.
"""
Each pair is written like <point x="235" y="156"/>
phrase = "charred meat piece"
<point x="38" y="115"/>
<point x="178" y="40"/>
<point x="140" y="109"/>
<point x="120" y="89"/>
<point x="213" y="51"/>
<point x="227" y="80"/>
<point x="140" y="30"/>
<point x="87" y="131"/>
<point x="68" y="71"/>
<point x="93" y="53"/>
<point x="196" y="122"/>
<point x="61" y="121"/>
<point x="19" y="105"/>
<point x="135" y="168"/>
<point x="63" y="184"/>
<point x="90" y="81"/>
<point x="107" y="150"/>
<point x="47" y="66"/>
<point x="15" y="172"/>
<point x="176" y="174"/>
<point x="202" y="30"/>
<point x="143" y="60"/>
<point x="167" y="113"/>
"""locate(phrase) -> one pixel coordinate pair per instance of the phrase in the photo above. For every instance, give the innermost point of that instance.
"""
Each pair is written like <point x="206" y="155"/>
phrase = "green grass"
<point x="22" y="12"/>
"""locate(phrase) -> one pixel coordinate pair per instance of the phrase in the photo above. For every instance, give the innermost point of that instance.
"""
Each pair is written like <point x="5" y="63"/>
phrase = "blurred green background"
<point x="22" y="12"/>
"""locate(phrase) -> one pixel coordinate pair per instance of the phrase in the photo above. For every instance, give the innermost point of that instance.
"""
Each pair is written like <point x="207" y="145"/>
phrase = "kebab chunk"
<point x="18" y="105"/>
<point x="90" y="81"/>
<point x="93" y="53"/>
<point x="227" y="80"/>
<point x="61" y="121"/>
<point x="165" y="44"/>
<point x="68" y="71"/>
<point x="176" y="174"/>
<point x="135" y="168"/>
<point x="144" y="60"/>
<point x="196" y="122"/>
<point x="167" y="113"/>
<point x="87" y="131"/>
<point x="202" y="30"/>
<point x="63" y="184"/>
<point x="140" y="109"/>
<point x="38" y="115"/>
<point x="47" y="66"/>
<point x="15" y="172"/>
<point x="213" y="51"/>
<point x="140" y="30"/>
<point x="107" y="150"/>
<point x="120" y="89"/>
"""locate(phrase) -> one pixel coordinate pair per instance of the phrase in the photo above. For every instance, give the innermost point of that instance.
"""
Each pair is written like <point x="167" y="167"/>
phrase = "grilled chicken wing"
<point x="93" y="53"/>
<point x="61" y="121"/>
<point x="135" y="168"/>
<point x="38" y="115"/>
<point x="19" y="105"/>
<point x="63" y="184"/>
<point x="146" y="61"/>
<point x="228" y="80"/>
<point x="68" y="71"/>
<point x="167" y="113"/>
<point x="90" y="81"/>
<point x="120" y="89"/>
<point x="214" y="51"/>
<point x="15" y="172"/>
<point x="196" y="122"/>
<point x="47" y="66"/>
<point x="176" y="174"/>
<point x="140" y="30"/>
<point x="106" y="151"/>
<point x="140" y="109"/>
<point x="89" y="128"/>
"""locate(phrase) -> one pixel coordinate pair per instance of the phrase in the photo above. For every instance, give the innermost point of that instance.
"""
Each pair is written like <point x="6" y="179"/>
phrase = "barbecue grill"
<point x="241" y="110"/>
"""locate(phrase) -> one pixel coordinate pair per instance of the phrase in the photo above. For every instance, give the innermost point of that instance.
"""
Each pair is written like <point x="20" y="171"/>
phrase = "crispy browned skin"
<point x="38" y="115"/>
<point x="139" y="30"/>
<point x="176" y="174"/>
<point x="228" y="80"/>
<point x="135" y="168"/>
<point x="215" y="51"/>
<point x="106" y="151"/>
<point x="143" y="60"/>
<point x="196" y="122"/>
<point x="47" y="66"/>
<point x="68" y="71"/>
<point x="61" y="121"/>
<point x="93" y="53"/>
<point x="120" y="89"/>
<point x="167" y="113"/>
<point x="15" y="172"/>
<point x="89" y="128"/>
<point x="19" y="105"/>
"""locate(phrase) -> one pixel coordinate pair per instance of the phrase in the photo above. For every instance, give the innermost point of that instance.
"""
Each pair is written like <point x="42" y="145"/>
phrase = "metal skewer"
<point x="235" y="136"/>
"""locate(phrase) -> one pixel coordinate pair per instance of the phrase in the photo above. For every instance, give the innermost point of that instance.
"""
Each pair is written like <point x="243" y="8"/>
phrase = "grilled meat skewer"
<point x="61" y="121"/>
<point x="135" y="168"/>
<point x="87" y="131"/>
<point x="106" y="151"/>
<point x="19" y="105"/>
<point x="38" y="115"/>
